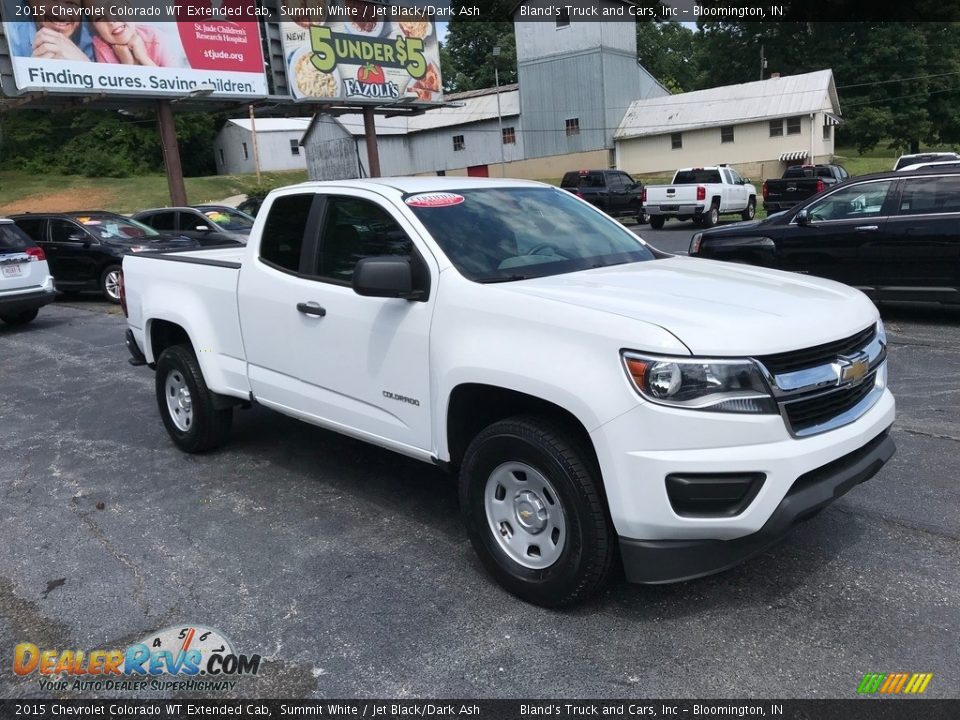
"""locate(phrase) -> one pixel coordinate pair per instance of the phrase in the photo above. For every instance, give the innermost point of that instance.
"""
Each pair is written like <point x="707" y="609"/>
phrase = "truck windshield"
<point x="688" y="177"/>
<point x="505" y="234"/>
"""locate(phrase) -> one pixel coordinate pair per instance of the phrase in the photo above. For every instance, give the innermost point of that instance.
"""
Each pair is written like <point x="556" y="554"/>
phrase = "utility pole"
<point x="256" y="146"/>
<point x="171" y="153"/>
<point x="496" y="80"/>
<point x="763" y="62"/>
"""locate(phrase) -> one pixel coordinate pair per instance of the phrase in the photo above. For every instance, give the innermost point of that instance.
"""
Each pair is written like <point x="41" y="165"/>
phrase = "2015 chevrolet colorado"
<point x="600" y="401"/>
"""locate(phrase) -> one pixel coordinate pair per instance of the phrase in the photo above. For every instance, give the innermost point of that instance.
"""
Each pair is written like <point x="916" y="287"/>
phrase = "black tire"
<point x="711" y="217"/>
<point x="641" y="218"/>
<point x="20" y="318"/>
<point x="656" y="222"/>
<point x="751" y="210"/>
<point x="588" y="545"/>
<point x="208" y="426"/>
<point x="108" y="286"/>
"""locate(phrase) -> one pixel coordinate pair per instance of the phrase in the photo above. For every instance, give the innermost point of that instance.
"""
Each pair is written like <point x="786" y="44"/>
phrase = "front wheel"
<point x="751" y="210"/>
<point x="535" y="513"/>
<point x="641" y="218"/>
<point x="110" y="283"/>
<point x="20" y="318"/>
<point x="186" y="405"/>
<point x="656" y="222"/>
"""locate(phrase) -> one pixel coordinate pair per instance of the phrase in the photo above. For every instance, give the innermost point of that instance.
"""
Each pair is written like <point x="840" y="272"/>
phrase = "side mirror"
<point x="802" y="218"/>
<point x="202" y="228"/>
<point x="389" y="276"/>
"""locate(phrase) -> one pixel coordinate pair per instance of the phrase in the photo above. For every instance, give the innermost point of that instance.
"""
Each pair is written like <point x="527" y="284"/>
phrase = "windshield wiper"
<point x="508" y="278"/>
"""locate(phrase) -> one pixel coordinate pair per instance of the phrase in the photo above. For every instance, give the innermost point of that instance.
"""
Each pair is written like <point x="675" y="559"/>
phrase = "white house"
<point x="757" y="127"/>
<point x="278" y="145"/>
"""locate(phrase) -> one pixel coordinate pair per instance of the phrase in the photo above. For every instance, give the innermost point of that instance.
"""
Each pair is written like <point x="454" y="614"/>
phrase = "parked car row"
<point x="85" y="250"/>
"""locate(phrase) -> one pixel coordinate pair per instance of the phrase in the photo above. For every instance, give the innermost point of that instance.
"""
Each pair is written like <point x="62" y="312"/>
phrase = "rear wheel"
<point x="711" y="217"/>
<point x="186" y="405"/>
<point x="532" y="504"/>
<point x="656" y="222"/>
<point x="20" y="318"/>
<point x="110" y="283"/>
<point x="751" y="210"/>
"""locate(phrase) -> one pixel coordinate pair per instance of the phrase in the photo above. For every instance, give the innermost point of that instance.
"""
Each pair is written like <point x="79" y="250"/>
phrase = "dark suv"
<point x="613" y="191"/>
<point x="894" y="235"/>
<point x="85" y="249"/>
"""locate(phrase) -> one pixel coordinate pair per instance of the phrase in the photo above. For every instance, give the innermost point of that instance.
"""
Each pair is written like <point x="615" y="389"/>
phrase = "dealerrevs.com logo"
<point x="178" y="658"/>
<point x="894" y="683"/>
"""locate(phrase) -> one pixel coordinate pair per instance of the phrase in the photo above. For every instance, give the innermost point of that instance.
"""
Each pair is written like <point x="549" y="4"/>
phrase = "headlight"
<point x="881" y="333"/>
<point x="720" y="385"/>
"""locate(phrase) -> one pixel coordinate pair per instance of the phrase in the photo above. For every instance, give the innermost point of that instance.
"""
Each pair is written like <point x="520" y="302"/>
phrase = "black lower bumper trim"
<point x="12" y="304"/>
<point x="665" y="561"/>
<point x="136" y="354"/>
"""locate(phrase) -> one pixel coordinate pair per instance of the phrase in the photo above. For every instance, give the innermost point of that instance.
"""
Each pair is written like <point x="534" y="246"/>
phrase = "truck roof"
<point x="422" y="184"/>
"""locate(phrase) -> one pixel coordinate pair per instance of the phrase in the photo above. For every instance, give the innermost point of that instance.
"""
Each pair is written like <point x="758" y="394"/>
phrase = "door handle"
<point x="311" y="308"/>
<point x="867" y="228"/>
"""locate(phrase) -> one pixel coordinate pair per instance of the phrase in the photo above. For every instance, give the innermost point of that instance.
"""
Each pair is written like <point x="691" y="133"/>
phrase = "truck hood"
<point x="715" y="308"/>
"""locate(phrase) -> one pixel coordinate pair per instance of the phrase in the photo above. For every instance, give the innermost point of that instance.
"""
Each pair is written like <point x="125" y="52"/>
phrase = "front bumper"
<point x="664" y="561"/>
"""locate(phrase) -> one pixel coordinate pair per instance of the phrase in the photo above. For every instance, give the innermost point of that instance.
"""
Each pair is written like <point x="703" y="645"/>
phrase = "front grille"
<point x="818" y="355"/>
<point x="805" y="414"/>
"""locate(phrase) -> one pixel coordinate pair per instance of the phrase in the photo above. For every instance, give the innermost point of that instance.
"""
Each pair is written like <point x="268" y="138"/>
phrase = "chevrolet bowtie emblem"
<point x="853" y="367"/>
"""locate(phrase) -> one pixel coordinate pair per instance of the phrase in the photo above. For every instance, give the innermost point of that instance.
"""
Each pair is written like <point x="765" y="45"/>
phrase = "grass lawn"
<point x="28" y="192"/>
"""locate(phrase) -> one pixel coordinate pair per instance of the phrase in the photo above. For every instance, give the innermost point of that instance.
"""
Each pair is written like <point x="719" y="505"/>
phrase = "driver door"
<point x="354" y="363"/>
<point x="844" y="236"/>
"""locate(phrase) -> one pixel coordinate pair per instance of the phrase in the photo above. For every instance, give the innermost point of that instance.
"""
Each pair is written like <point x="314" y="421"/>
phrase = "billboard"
<point x="352" y="51"/>
<point x="107" y="47"/>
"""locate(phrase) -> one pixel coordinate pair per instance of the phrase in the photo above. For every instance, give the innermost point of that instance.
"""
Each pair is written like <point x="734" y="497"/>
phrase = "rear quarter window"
<point x="13" y="239"/>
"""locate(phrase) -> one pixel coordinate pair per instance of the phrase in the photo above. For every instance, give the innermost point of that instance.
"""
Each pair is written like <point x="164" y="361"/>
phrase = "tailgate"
<point x="18" y="271"/>
<point x="671" y="194"/>
<point x="791" y="190"/>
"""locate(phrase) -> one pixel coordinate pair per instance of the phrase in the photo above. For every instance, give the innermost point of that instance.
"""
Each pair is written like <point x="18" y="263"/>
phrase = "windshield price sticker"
<point x="434" y="200"/>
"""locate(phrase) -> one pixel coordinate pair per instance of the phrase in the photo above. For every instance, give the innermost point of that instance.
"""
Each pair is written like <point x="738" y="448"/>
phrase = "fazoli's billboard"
<point x="130" y="47"/>
<point x="354" y="51"/>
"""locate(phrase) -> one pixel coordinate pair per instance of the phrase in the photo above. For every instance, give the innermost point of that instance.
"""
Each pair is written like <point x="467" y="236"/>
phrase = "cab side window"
<point x="162" y="221"/>
<point x="354" y="229"/>
<point x="282" y="239"/>
<point x="853" y="202"/>
<point x="62" y="231"/>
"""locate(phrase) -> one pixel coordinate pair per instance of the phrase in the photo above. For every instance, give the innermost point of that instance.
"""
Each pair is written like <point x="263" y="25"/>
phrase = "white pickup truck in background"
<point x="701" y="194"/>
<point x="600" y="401"/>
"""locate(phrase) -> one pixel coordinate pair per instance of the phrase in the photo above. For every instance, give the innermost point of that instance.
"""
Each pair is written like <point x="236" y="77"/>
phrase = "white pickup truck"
<point x="701" y="194"/>
<point x="600" y="401"/>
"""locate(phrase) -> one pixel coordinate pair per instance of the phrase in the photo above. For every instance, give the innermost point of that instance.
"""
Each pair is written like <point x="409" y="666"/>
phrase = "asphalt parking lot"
<point x="347" y="568"/>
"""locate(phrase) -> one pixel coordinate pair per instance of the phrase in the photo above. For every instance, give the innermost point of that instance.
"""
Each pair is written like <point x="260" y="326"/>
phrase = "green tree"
<point x="468" y="51"/>
<point x="666" y="51"/>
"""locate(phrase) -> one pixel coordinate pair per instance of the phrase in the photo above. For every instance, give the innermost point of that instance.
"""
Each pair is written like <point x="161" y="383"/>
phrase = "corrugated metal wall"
<point x="553" y="91"/>
<point x="331" y="151"/>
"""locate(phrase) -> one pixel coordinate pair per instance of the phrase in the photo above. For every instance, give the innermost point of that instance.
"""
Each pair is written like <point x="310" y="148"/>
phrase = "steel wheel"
<point x="179" y="401"/>
<point x="525" y="515"/>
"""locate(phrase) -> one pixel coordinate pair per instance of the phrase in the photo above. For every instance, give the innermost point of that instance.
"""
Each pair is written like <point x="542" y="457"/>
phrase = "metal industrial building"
<point x="575" y="81"/>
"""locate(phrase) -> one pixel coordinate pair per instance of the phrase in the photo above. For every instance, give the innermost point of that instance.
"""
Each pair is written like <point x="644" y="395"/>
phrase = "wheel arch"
<point x="473" y="406"/>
